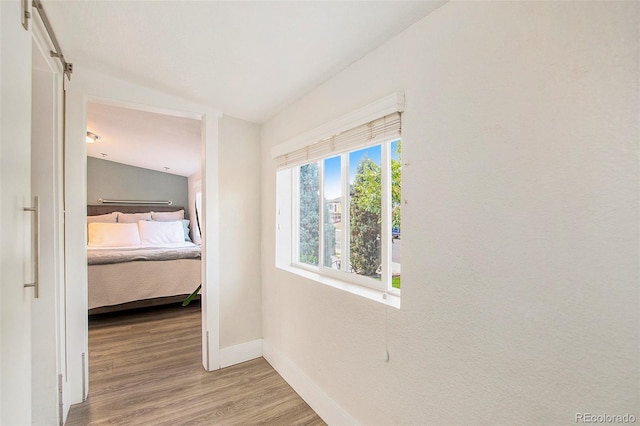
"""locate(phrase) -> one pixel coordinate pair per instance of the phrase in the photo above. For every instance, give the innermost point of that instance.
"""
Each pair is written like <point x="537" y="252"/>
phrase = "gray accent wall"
<point x="111" y="180"/>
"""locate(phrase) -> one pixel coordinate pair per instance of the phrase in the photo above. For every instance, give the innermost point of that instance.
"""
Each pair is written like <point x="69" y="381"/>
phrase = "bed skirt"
<point x="120" y="283"/>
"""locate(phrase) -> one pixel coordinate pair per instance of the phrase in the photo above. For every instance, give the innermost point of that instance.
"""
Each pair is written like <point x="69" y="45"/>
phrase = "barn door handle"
<point x="36" y="236"/>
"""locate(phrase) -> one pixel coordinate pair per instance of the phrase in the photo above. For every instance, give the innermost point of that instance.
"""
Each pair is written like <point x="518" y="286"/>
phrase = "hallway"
<point x="145" y="368"/>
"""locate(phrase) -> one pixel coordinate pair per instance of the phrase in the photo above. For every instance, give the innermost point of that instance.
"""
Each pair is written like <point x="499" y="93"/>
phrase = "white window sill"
<point x="388" y="299"/>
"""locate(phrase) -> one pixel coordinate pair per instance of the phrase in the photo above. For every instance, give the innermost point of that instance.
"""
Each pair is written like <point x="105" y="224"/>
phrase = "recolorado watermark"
<point x="605" y="418"/>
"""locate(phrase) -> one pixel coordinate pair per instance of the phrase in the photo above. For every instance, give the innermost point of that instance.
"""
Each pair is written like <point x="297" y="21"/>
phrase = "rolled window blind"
<point x="374" y="132"/>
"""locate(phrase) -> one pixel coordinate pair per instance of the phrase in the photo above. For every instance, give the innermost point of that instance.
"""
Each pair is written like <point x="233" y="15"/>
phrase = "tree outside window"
<point x="365" y="171"/>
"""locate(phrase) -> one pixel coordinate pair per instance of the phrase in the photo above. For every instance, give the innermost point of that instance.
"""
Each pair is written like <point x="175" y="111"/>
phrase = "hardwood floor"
<point x="145" y="369"/>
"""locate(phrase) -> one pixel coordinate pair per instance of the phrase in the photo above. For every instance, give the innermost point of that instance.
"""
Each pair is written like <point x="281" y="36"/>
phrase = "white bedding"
<point x="142" y="246"/>
<point x="119" y="283"/>
<point x="142" y="252"/>
<point x="132" y="257"/>
<point x="127" y="281"/>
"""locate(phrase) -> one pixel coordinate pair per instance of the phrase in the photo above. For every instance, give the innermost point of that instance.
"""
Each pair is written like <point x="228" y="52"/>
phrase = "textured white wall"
<point x="520" y="236"/>
<point x="240" y="288"/>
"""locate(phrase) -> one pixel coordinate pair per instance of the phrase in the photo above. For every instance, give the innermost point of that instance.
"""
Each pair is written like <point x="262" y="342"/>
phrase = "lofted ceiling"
<point x="249" y="59"/>
<point x="144" y="139"/>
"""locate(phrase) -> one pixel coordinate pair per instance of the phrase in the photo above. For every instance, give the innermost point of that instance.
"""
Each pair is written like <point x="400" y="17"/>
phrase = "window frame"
<point x="384" y="286"/>
<point x="286" y="158"/>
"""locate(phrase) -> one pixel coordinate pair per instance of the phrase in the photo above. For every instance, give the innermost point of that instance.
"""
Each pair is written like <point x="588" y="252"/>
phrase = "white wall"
<point x="240" y="289"/>
<point x="520" y="232"/>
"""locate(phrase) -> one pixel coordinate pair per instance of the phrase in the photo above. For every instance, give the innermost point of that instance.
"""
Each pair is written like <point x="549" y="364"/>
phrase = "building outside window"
<point x="345" y="215"/>
<point x="339" y="207"/>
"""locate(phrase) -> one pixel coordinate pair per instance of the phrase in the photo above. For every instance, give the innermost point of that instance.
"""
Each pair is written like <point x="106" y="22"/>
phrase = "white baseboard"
<point x="313" y="395"/>
<point x="240" y="353"/>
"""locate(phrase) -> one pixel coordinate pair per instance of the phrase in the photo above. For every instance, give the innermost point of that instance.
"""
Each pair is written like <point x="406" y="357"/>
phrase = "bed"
<point x="136" y="257"/>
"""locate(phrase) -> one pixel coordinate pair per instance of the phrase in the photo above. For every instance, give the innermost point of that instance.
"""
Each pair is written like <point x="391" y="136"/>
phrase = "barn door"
<point x="16" y="243"/>
<point x="47" y="357"/>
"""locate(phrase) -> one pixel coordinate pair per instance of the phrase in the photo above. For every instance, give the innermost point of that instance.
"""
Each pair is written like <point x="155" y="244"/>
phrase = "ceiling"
<point x="247" y="59"/>
<point x="144" y="139"/>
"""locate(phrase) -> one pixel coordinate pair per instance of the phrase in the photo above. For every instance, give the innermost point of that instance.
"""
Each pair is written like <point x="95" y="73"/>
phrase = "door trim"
<point x="88" y="85"/>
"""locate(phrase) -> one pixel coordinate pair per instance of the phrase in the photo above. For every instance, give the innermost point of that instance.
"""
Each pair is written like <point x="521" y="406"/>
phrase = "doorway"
<point x="88" y="87"/>
<point x="143" y="168"/>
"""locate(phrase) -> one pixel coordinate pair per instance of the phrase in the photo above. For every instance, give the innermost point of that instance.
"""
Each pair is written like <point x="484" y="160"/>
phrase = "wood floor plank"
<point x="145" y="369"/>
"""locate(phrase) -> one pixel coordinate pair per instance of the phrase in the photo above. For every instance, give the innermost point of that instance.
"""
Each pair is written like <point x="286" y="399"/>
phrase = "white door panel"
<point x="15" y="193"/>
<point x="46" y="91"/>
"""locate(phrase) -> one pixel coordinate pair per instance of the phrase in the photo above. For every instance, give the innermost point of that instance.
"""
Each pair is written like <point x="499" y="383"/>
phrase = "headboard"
<point x="94" y="210"/>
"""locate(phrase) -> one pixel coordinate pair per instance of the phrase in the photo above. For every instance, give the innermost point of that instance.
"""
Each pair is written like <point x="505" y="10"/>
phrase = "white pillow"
<point x="133" y="217"/>
<point x="113" y="234"/>
<point x="160" y="232"/>
<point x="103" y="218"/>
<point x="167" y="216"/>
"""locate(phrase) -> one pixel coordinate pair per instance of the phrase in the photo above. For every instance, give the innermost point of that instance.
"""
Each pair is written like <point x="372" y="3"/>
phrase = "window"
<point x="308" y="214"/>
<point x="347" y="216"/>
<point x="339" y="210"/>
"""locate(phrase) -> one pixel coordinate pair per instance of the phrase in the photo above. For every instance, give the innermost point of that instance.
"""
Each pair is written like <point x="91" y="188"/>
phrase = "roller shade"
<point x="374" y="132"/>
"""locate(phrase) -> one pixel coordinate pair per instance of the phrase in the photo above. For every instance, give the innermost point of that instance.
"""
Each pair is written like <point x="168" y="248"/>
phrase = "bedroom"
<point x="131" y="130"/>
<point x="141" y="166"/>
<point x="521" y="228"/>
